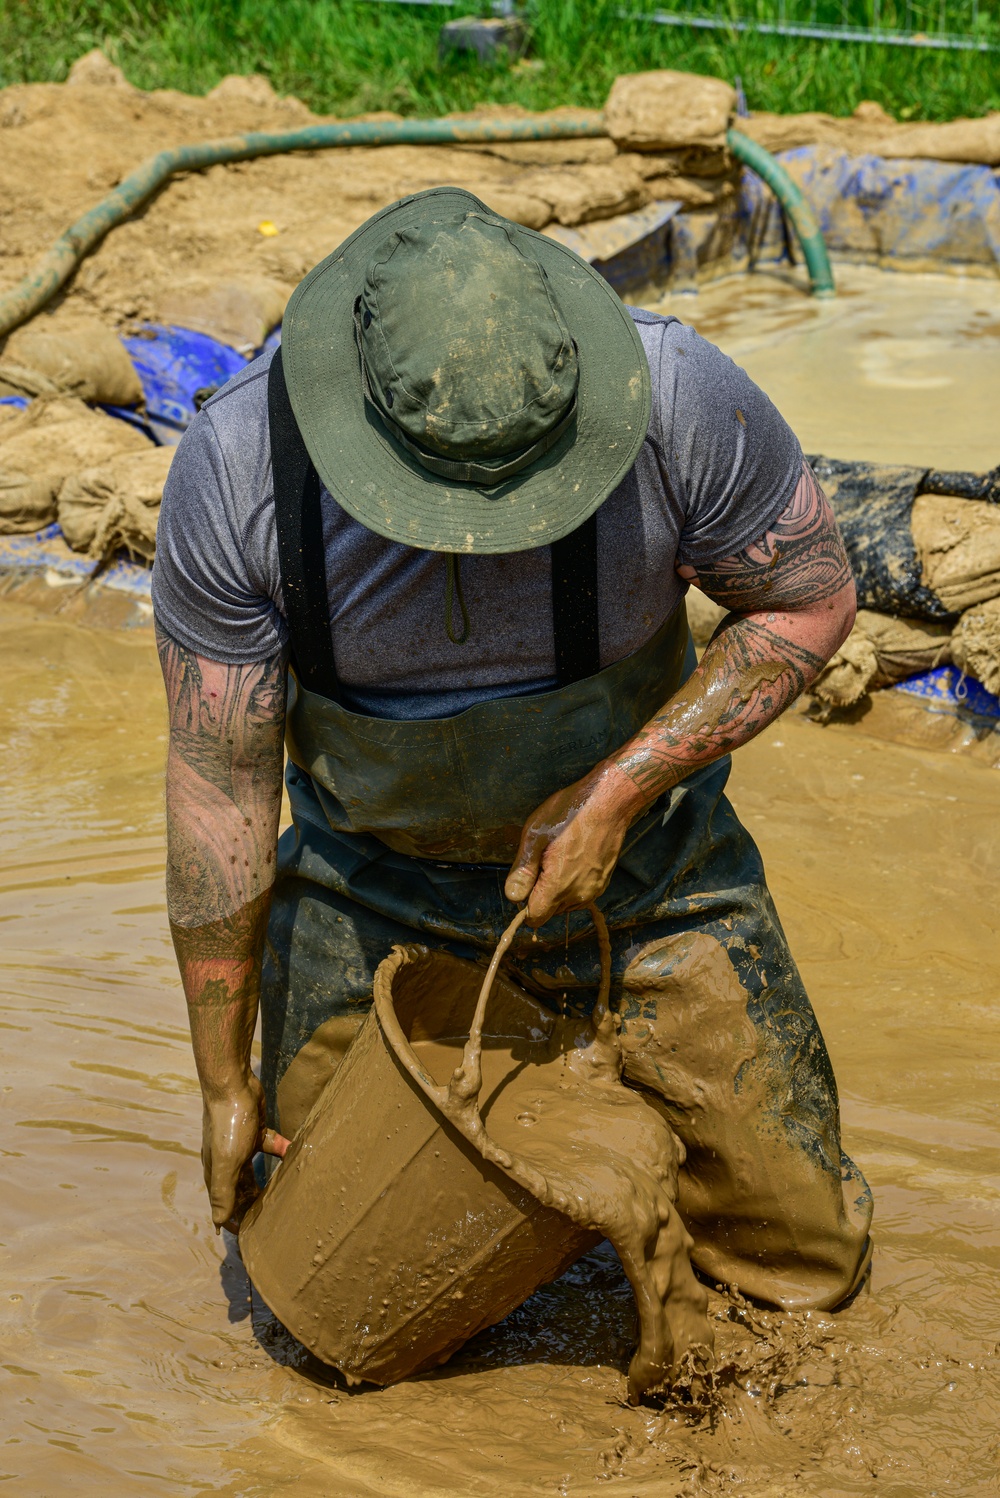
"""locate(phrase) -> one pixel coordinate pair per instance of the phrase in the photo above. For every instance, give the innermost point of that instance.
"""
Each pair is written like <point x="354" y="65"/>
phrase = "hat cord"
<point x="453" y="590"/>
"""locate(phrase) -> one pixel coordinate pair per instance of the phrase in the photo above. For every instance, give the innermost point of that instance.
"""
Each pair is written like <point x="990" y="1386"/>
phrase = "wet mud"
<point x="135" y="1358"/>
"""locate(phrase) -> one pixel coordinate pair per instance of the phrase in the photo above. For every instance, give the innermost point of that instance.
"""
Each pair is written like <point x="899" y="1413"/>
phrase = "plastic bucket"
<point x="386" y="1240"/>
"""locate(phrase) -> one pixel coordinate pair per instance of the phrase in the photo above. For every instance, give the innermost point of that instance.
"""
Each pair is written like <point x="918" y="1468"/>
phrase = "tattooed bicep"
<point x="233" y="711"/>
<point x="800" y="561"/>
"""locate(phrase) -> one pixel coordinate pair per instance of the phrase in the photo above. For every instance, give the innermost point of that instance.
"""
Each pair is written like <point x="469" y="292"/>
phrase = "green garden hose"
<point x="37" y="288"/>
<point x="800" y="215"/>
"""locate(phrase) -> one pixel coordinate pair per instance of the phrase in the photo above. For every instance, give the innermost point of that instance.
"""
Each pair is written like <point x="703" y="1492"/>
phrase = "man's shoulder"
<point x="674" y="349"/>
<point x="652" y="326"/>
<point x="242" y="398"/>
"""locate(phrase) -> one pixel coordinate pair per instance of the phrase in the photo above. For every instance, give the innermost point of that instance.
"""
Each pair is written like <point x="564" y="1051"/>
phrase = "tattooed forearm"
<point x="747" y="676"/>
<point x="799" y="562"/>
<point x="223" y="781"/>
<point x="220" y="966"/>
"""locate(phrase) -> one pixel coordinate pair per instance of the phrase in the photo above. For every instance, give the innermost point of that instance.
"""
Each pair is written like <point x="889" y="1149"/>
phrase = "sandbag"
<point x="870" y="131"/>
<point x="95" y="70"/>
<point x="873" y="503"/>
<point x="546" y="152"/>
<point x="699" y="176"/>
<point x="510" y="202"/>
<point x="975" y="644"/>
<point x="664" y="109"/>
<point x="693" y="192"/>
<point x="239" y="312"/>
<point x="114" y="506"/>
<point x="586" y="193"/>
<point x="41" y="446"/>
<point x="688" y="161"/>
<point x="83" y="357"/>
<point x="958" y="544"/>
<point x="879" y="651"/>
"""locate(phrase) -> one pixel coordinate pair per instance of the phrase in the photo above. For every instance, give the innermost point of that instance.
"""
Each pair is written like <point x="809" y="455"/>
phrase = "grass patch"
<point x="348" y="57"/>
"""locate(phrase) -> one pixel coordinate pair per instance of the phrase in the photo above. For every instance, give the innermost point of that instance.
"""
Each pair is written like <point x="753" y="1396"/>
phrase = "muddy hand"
<point x="570" y="845"/>
<point x="232" y="1133"/>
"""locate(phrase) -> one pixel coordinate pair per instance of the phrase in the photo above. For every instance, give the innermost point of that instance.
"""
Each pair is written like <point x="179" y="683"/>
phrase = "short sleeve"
<point x="732" y="459"/>
<point x="211" y="592"/>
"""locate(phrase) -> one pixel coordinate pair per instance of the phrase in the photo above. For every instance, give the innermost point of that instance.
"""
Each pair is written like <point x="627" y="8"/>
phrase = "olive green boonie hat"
<point x="463" y="384"/>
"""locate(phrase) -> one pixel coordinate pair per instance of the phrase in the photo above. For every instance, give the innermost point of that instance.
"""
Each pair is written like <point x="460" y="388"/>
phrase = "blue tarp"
<point x="174" y="365"/>
<point x="952" y="691"/>
<point x="47" y="552"/>
<point x="905" y="213"/>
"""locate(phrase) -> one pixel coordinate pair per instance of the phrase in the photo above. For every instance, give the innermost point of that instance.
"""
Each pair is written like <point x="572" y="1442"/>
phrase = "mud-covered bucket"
<point x="385" y="1239"/>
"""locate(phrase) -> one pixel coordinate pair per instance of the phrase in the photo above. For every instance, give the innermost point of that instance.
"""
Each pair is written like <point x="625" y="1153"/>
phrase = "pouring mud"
<point x="567" y="1130"/>
<point x="135" y="1357"/>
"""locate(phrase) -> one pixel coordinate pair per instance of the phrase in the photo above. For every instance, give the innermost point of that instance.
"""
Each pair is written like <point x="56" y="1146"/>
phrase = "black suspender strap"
<point x="301" y="554"/>
<point x="574" y="604"/>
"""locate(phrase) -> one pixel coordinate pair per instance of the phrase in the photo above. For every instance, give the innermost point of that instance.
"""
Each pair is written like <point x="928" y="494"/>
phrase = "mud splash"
<point x="135" y="1359"/>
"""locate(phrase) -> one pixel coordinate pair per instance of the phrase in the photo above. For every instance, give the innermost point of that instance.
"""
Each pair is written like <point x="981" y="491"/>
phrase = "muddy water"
<point x="133" y="1357"/>
<point x="897" y="368"/>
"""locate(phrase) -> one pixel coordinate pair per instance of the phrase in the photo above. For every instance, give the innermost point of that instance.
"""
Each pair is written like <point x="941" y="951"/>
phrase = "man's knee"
<point x="762" y="1191"/>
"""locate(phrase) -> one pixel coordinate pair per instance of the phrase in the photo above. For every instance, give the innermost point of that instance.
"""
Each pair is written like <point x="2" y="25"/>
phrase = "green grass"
<point x="347" y="57"/>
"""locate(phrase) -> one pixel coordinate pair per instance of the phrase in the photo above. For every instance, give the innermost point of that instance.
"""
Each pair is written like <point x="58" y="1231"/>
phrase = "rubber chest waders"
<point x="403" y="831"/>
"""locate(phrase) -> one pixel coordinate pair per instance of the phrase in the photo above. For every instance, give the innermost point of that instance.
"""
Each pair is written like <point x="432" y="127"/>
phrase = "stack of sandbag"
<point x="62" y="355"/>
<point x="114" y="506"/>
<point x="43" y="445"/>
<point x="920" y="559"/>
<point x="670" y="129"/>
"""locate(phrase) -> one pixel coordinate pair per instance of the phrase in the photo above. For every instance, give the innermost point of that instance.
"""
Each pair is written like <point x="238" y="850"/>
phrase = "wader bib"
<point x="404" y="831"/>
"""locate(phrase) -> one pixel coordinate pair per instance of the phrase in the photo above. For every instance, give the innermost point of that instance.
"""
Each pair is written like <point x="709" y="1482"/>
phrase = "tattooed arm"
<point x="224" y="769"/>
<point x="792" y="604"/>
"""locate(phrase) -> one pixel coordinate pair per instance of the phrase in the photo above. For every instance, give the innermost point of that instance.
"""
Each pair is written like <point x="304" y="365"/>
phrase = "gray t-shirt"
<point x="718" y="466"/>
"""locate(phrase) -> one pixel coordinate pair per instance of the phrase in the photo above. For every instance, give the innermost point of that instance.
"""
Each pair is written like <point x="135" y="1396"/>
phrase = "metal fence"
<point x="956" y="25"/>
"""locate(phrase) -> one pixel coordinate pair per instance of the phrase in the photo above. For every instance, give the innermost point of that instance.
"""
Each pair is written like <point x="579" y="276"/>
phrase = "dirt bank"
<point x="67" y="145"/>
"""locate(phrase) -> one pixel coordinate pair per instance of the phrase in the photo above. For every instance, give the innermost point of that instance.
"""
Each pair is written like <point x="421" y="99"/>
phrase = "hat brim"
<point x="383" y="486"/>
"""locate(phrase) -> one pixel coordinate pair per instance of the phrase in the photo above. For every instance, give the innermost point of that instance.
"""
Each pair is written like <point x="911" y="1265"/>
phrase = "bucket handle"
<point x="459" y="1099"/>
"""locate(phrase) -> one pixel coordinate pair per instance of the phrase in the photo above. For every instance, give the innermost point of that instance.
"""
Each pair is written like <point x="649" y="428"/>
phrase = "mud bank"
<point x="135" y="1360"/>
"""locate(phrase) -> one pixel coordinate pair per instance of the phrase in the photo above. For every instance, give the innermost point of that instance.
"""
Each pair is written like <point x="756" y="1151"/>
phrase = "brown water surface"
<point x="897" y="368"/>
<point x="135" y="1360"/>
